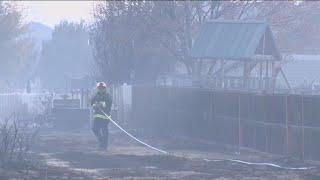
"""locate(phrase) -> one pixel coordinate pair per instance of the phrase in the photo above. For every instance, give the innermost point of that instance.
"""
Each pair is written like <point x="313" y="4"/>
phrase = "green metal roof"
<point x="234" y="40"/>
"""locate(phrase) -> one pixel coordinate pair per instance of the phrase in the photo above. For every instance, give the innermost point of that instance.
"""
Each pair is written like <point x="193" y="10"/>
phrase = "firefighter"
<point x="101" y="101"/>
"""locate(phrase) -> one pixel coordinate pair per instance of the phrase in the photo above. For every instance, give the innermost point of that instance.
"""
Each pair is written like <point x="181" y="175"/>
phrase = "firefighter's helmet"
<point x="101" y="85"/>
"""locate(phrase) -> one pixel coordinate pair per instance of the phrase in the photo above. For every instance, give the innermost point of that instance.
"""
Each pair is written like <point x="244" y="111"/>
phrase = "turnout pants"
<point x="100" y="130"/>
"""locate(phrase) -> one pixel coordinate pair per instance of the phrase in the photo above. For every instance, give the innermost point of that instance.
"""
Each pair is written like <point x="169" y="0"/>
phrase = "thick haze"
<point x="52" y="12"/>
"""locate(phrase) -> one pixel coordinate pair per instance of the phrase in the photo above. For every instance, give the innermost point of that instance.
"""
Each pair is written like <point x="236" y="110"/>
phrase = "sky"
<point x="52" y="12"/>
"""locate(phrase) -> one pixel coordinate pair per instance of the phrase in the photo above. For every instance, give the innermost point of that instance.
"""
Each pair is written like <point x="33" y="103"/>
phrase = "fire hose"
<point x="207" y="160"/>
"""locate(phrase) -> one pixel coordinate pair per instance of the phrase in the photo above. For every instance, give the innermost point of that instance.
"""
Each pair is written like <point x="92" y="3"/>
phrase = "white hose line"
<point x="208" y="160"/>
<point x="261" y="164"/>
<point x="133" y="137"/>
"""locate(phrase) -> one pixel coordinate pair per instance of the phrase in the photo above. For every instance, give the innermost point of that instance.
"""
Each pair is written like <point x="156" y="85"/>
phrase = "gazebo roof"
<point x="234" y="40"/>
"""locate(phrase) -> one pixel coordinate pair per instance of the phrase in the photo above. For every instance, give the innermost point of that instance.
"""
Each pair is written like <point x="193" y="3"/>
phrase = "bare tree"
<point x="128" y="34"/>
<point x="126" y="41"/>
<point x="16" y="51"/>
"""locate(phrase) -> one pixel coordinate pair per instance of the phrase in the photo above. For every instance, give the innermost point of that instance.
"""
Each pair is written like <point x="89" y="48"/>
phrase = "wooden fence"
<point x="281" y="124"/>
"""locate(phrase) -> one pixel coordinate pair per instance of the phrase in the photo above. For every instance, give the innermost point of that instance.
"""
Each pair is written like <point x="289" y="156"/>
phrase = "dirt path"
<point x="77" y="153"/>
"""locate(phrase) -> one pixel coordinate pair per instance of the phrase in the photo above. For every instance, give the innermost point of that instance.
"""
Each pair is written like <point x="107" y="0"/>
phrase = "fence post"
<point x="168" y="109"/>
<point x="254" y="97"/>
<point x="81" y="99"/>
<point x="287" y="125"/>
<point x="302" y="125"/>
<point x="210" y="110"/>
<point x="239" y="124"/>
<point x="265" y="120"/>
<point x="86" y="105"/>
<point x="213" y="111"/>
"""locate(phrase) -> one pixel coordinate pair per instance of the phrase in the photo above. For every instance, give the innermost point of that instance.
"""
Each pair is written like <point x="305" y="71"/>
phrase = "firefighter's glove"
<point x="99" y="105"/>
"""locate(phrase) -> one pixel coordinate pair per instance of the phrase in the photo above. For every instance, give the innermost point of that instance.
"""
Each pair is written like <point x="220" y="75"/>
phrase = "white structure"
<point x="302" y="70"/>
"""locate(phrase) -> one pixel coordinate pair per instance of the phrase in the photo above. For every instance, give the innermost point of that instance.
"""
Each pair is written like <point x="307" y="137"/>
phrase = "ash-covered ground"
<point x="74" y="155"/>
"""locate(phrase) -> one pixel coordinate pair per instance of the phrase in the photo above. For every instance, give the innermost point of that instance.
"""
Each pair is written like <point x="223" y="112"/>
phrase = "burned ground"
<point x="74" y="155"/>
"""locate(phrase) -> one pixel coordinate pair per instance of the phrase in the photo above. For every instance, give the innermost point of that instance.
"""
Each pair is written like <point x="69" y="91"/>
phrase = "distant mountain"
<point x="39" y="33"/>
